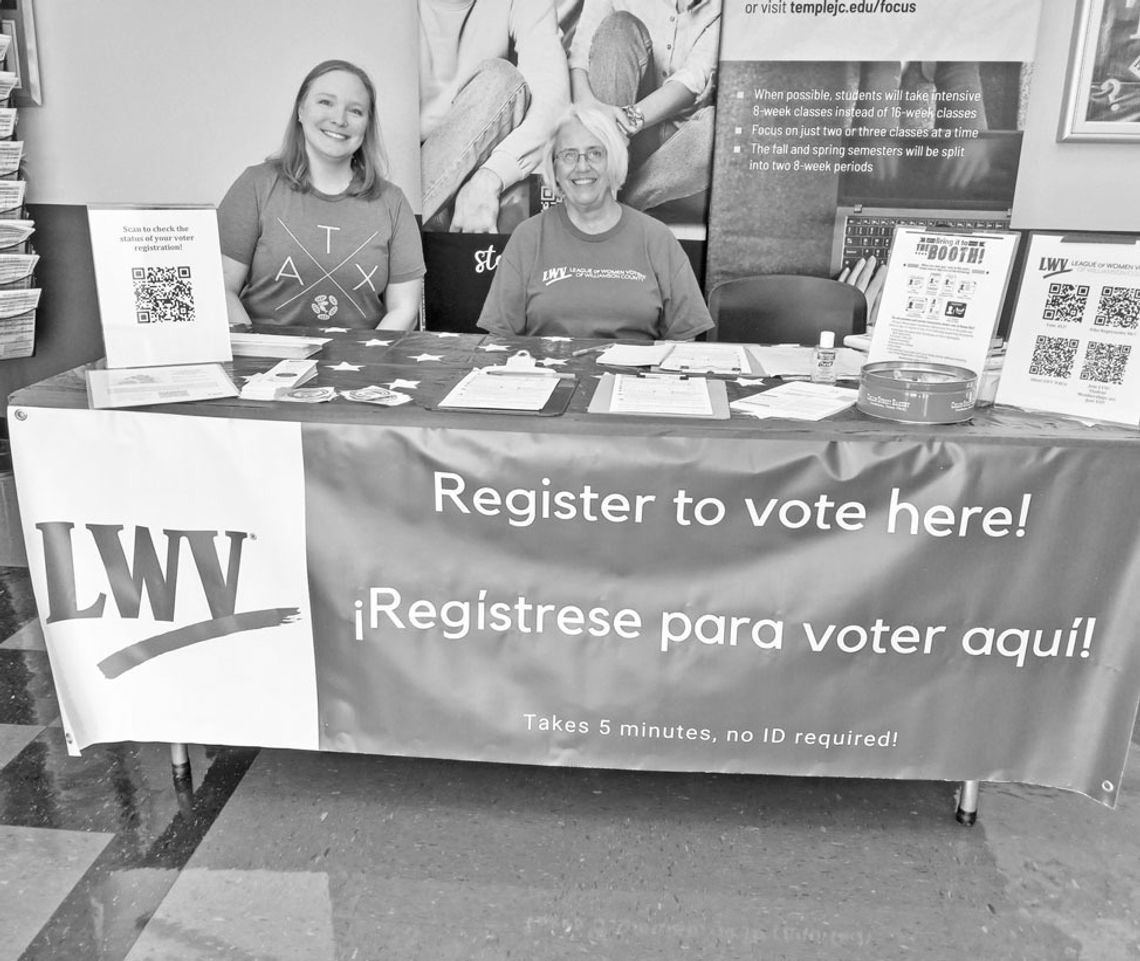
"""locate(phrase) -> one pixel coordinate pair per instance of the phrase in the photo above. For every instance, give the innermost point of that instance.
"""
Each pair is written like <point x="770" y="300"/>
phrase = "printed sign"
<point x="1074" y="347"/>
<point x="158" y="273"/>
<point x="672" y="603"/>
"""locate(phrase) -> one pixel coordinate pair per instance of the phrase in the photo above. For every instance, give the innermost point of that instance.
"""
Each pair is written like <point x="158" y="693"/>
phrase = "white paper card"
<point x="942" y="296"/>
<point x="158" y="274"/>
<point x="1074" y="346"/>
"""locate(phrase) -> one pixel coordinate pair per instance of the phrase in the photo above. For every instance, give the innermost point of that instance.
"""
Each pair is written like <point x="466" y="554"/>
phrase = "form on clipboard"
<point x="660" y="395"/>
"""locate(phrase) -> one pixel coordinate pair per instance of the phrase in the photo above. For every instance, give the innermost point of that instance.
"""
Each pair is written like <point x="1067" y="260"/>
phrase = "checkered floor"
<point x="89" y="846"/>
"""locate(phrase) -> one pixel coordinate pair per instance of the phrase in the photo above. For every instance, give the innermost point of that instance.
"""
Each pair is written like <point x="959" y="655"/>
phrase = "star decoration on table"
<point x="344" y="365"/>
<point x="405" y="384"/>
<point x="376" y="342"/>
<point x="421" y="358"/>
<point x="493" y="347"/>
<point x="552" y="362"/>
<point x="334" y="330"/>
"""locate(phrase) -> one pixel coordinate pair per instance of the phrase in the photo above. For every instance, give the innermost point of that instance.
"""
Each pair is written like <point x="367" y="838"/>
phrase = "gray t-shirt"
<point x="317" y="258"/>
<point x="632" y="282"/>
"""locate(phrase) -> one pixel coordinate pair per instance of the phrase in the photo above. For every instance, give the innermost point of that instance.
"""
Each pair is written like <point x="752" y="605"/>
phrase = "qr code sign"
<point x="163" y="295"/>
<point x="1066" y="303"/>
<point x="1053" y="356"/>
<point x="1105" y="363"/>
<point x="1118" y="307"/>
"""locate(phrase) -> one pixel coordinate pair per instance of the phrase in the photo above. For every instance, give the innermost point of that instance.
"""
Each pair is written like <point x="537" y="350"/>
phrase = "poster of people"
<point x="839" y="121"/>
<point x="495" y="75"/>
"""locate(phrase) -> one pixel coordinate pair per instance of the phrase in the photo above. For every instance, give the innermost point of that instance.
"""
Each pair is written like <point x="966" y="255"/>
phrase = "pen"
<point x="501" y="371"/>
<point x="587" y="350"/>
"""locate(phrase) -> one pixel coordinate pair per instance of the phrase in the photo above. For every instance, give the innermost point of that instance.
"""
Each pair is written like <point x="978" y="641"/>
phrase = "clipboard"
<point x="602" y="401"/>
<point x="556" y="405"/>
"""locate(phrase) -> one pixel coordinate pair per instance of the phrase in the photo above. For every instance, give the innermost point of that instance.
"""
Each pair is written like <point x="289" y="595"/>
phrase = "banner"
<point x="899" y="609"/>
<point x="839" y="120"/>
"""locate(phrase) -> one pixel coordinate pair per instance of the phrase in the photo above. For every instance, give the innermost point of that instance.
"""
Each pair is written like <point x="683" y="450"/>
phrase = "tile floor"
<point x="295" y="855"/>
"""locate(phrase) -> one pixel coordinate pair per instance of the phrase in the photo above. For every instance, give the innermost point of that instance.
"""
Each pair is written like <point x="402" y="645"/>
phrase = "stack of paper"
<point x="797" y="401"/>
<point x="282" y="377"/>
<point x="714" y="358"/>
<point x="634" y="355"/>
<point x="246" y="344"/>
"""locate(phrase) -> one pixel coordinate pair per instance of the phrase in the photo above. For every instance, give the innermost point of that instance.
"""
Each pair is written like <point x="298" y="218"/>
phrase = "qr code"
<point x="1118" y="307"/>
<point x="1053" y="356"/>
<point x="163" y="295"/>
<point x="1065" y="302"/>
<point x="1105" y="363"/>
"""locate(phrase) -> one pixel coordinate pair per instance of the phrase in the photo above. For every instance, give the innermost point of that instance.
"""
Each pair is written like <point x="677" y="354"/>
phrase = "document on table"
<point x="661" y="394"/>
<point x="139" y="386"/>
<point x="483" y="390"/>
<point x="797" y="401"/>
<point x="704" y="358"/>
<point x="634" y="355"/>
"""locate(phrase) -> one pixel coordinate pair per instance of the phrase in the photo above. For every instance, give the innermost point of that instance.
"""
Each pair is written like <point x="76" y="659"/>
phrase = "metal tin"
<point x="917" y="393"/>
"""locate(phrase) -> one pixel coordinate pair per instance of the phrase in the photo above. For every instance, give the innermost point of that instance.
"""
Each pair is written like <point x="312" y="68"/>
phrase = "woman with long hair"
<point x="316" y="234"/>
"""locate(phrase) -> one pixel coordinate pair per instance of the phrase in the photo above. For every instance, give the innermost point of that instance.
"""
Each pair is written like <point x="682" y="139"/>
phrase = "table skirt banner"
<point x="902" y="609"/>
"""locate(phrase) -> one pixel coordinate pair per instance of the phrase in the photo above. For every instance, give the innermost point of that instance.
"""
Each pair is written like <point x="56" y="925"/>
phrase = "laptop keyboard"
<point x="867" y="235"/>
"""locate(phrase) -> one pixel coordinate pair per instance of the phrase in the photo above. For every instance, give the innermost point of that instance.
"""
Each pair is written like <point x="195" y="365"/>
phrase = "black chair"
<point x="785" y="309"/>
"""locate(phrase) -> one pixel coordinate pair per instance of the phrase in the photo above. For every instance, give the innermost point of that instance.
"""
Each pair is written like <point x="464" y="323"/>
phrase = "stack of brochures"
<point x="247" y="344"/>
<point x="141" y="386"/>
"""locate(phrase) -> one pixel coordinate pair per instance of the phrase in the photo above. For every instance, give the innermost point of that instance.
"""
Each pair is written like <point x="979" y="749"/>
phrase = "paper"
<point x="705" y="358"/>
<point x="796" y="361"/>
<point x="158" y="275"/>
<point x="1074" y="346"/>
<point x="482" y="390"/>
<point x="661" y="394"/>
<point x="942" y="296"/>
<point x="136" y="387"/>
<point x="634" y="355"/>
<point x="245" y="344"/>
<point x="798" y="401"/>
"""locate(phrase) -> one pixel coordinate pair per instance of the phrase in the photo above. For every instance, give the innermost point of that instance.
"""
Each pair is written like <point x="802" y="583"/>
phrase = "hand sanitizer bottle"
<point x="823" y="359"/>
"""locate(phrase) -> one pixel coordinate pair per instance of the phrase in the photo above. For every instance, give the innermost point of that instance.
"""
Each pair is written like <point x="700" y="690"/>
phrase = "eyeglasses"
<point x="570" y="157"/>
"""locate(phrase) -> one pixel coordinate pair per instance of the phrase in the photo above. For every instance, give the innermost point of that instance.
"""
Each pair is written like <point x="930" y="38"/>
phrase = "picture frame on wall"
<point x="1102" y="89"/>
<point x="17" y="19"/>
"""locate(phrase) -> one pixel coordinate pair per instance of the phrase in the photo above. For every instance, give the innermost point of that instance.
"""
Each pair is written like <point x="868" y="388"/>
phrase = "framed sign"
<point x="1102" y="91"/>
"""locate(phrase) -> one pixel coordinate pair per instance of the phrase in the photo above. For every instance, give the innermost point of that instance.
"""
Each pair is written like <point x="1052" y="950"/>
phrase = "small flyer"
<point x="1074" y="346"/>
<point x="942" y="296"/>
<point x="158" y="274"/>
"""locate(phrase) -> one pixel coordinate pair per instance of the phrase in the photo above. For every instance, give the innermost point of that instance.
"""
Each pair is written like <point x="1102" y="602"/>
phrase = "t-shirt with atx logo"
<point x="632" y="282"/>
<point x="317" y="258"/>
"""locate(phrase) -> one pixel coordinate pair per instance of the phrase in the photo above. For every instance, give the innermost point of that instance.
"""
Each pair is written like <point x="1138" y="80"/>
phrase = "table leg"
<point x="967" y="812"/>
<point x="179" y="762"/>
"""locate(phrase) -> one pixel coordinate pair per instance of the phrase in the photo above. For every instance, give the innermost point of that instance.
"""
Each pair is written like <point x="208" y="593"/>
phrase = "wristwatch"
<point x="634" y="118"/>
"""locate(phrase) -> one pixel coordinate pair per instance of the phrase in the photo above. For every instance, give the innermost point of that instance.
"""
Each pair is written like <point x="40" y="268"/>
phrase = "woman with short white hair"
<point x="591" y="266"/>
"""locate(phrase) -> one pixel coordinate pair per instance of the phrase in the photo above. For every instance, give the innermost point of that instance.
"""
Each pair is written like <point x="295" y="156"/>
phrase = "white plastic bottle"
<point x="823" y="359"/>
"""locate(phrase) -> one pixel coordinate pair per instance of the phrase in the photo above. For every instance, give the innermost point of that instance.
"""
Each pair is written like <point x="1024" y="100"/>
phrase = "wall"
<point x="166" y="102"/>
<point x="1069" y="186"/>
